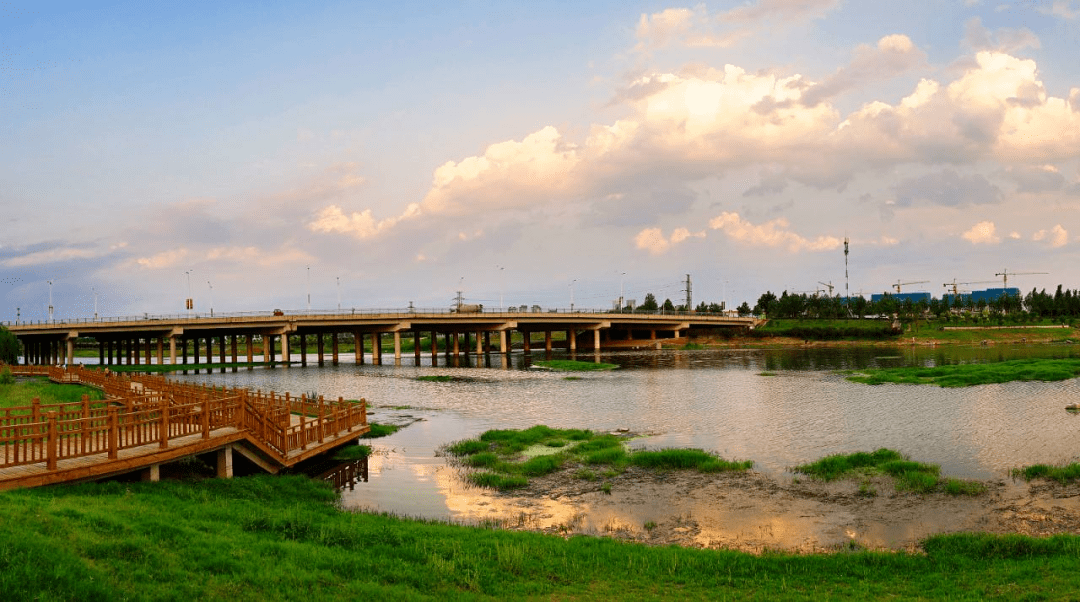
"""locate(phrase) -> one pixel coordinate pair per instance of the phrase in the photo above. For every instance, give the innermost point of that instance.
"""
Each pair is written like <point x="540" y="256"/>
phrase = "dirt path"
<point x="753" y="512"/>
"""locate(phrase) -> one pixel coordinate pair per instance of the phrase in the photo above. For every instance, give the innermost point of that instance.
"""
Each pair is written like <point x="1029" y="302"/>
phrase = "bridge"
<point x="147" y="421"/>
<point x="168" y="339"/>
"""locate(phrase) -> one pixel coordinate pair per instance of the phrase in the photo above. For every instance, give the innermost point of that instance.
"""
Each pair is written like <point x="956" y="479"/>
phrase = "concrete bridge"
<point x="168" y="339"/>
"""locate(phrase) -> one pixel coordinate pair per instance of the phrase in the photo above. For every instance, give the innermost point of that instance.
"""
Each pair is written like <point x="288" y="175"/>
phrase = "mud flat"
<point x="753" y="512"/>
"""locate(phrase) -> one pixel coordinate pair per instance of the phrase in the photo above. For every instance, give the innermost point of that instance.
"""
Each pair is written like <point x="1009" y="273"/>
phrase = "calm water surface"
<point x="713" y="399"/>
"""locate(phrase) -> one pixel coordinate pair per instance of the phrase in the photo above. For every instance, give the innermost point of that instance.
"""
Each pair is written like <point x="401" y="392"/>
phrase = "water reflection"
<point x="713" y="399"/>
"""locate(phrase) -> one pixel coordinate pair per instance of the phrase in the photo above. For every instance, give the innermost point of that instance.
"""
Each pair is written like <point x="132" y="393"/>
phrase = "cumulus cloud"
<point x="774" y="233"/>
<point x="1055" y="237"/>
<point x="1035" y="178"/>
<point x="164" y="259"/>
<point x="359" y="224"/>
<point x="893" y="55"/>
<point x="1065" y="9"/>
<point x="59" y="254"/>
<point x="1005" y="39"/>
<point x="982" y="233"/>
<point x="653" y="240"/>
<point x="695" y="27"/>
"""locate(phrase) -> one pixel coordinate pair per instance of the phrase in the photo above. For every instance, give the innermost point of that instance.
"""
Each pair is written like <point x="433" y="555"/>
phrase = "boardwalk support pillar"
<point x="224" y="462"/>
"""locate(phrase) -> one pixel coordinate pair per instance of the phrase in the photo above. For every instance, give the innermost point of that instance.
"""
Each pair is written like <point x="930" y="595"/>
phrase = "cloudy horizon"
<point x="388" y="155"/>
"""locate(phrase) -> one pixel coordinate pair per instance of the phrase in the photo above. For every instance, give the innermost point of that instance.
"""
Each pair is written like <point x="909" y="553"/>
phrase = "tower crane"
<point x="956" y="285"/>
<point x="828" y="286"/>
<point x="899" y="284"/>
<point x="1006" y="273"/>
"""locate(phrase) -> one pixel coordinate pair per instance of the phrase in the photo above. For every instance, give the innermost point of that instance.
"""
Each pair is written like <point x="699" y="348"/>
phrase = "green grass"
<point x="908" y="475"/>
<point x="573" y="365"/>
<point x="22" y="393"/>
<point x="380" y="430"/>
<point x="541" y="450"/>
<point x="284" y="538"/>
<point x="1068" y="473"/>
<point x="350" y="453"/>
<point x="967" y="375"/>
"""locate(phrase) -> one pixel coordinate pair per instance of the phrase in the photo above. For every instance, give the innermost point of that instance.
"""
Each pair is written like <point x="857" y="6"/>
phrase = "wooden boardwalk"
<point x="146" y="421"/>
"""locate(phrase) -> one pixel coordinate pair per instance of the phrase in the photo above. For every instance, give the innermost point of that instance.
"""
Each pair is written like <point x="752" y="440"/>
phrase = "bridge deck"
<point x="150" y="421"/>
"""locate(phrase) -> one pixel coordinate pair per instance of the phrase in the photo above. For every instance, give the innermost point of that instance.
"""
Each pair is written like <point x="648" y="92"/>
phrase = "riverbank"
<point x="284" y="538"/>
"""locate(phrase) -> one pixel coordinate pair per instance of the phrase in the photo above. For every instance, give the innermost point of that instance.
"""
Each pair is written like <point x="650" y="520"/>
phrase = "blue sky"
<point x="521" y="151"/>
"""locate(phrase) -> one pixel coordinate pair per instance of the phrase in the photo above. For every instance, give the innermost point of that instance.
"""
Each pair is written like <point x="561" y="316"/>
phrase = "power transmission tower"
<point x="847" y="292"/>
<point x="689" y="299"/>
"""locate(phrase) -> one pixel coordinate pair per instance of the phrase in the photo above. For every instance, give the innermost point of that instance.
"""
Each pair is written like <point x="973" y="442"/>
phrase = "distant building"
<point x="901" y="297"/>
<point x="988" y="295"/>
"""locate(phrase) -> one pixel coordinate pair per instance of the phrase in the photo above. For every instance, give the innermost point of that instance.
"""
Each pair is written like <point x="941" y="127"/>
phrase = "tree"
<point x="668" y="305"/>
<point x="765" y="304"/>
<point x="650" y="303"/>
<point x="744" y="309"/>
<point x="9" y="347"/>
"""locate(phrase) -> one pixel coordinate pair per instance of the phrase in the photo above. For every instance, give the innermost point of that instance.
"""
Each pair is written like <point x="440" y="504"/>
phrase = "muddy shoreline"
<point x="754" y="512"/>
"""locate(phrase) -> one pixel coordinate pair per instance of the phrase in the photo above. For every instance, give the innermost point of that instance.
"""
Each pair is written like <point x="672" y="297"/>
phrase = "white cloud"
<point x="1003" y="40"/>
<point x="51" y="256"/>
<point x="653" y="240"/>
<point x="358" y="224"/>
<point x="894" y="54"/>
<point x="982" y="233"/>
<point x="773" y="233"/>
<point x="697" y="28"/>
<point x="1066" y="9"/>
<point x="1056" y="236"/>
<point x="164" y="259"/>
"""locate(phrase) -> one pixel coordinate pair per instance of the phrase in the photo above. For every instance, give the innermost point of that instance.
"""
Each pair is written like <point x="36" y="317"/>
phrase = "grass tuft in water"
<point x="352" y="452"/>
<point x="908" y="475"/>
<point x="574" y="365"/>
<point x="1068" y="473"/>
<point x="969" y="375"/>
<point x="380" y="430"/>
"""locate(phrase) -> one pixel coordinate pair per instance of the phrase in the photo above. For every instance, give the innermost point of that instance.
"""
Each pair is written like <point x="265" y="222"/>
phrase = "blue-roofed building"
<point x="901" y="297"/>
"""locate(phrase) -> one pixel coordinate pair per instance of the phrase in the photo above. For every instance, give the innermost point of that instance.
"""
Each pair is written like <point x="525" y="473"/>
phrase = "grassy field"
<point x="510" y="457"/>
<point x="967" y="375"/>
<point x="908" y="475"/>
<point x="283" y="538"/>
<point x="22" y="393"/>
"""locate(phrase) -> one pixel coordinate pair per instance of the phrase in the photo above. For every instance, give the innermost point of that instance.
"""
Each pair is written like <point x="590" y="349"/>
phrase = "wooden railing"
<point x="156" y="410"/>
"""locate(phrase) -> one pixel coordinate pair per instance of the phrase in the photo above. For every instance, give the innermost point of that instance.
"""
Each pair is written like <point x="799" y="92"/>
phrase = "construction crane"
<point x="956" y="285"/>
<point x="899" y="284"/>
<point x="1006" y="273"/>
<point x="828" y="286"/>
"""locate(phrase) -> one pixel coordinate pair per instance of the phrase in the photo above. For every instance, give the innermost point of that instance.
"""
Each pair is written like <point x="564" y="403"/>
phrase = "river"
<point x="777" y="407"/>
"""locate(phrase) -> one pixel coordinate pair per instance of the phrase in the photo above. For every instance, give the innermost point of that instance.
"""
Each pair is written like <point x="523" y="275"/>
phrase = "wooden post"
<point x="205" y="417"/>
<point x="164" y="422"/>
<point x="53" y="443"/>
<point x="322" y="418"/>
<point x="303" y="436"/>
<point x="112" y="434"/>
<point x="35" y="409"/>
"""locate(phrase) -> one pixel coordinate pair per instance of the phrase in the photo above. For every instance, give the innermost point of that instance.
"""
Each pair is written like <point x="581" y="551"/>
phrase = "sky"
<point x="369" y="155"/>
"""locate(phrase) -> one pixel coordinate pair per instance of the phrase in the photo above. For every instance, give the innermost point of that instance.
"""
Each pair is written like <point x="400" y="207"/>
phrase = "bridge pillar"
<point x="397" y="347"/>
<point x="183" y="350"/>
<point x="434" y="348"/>
<point x="303" y="350"/>
<point x="676" y="333"/>
<point x="221" y="353"/>
<point x="101" y="352"/>
<point x="320" y="346"/>
<point x="149" y="351"/>
<point x="70" y="360"/>
<point x="527" y="339"/>
<point x="571" y="340"/>
<point x="286" y="352"/>
<point x="234" y="350"/>
<point x="334" y="348"/>
<point x="416" y="346"/>
<point x="447" y="347"/>
<point x="152" y="473"/>
<point x="481" y="343"/>
<point x="160" y="350"/>
<point x="457" y="349"/>
<point x="172" y="349"/>
<point x="547" y="341"/>
<point x="376" y="348"/>
<point x="503" y="337"/>
<point x="358" y="347"/>
<point x="596" y="339"/>
<point x="225" y="462"/>
<point x="135" y="349"/>
<point x="249" y="341"/>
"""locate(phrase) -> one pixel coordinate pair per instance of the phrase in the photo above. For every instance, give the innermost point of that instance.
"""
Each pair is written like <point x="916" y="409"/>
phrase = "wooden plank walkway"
<point x="146" y="421"/>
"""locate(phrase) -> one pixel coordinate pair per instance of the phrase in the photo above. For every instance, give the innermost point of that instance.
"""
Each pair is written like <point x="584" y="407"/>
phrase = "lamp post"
<point x="211" y="298"/>
<point x="622" y="301"/>
<point x="94" y="291"/>
<point x="338" y="278"/>
<point x="188" y="303"/>
<point x="572" y="295"/>
<point x="309" y="289"/>
<point x="50" y="302"/>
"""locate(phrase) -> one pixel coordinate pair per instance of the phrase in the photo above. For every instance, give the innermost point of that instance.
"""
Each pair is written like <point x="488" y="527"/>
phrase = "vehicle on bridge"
<point x="468" y="308"/>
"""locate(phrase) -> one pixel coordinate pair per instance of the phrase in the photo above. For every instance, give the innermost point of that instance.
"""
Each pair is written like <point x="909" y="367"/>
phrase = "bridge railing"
<point x="156" y="410"/>
<point x="395" y="312"/>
